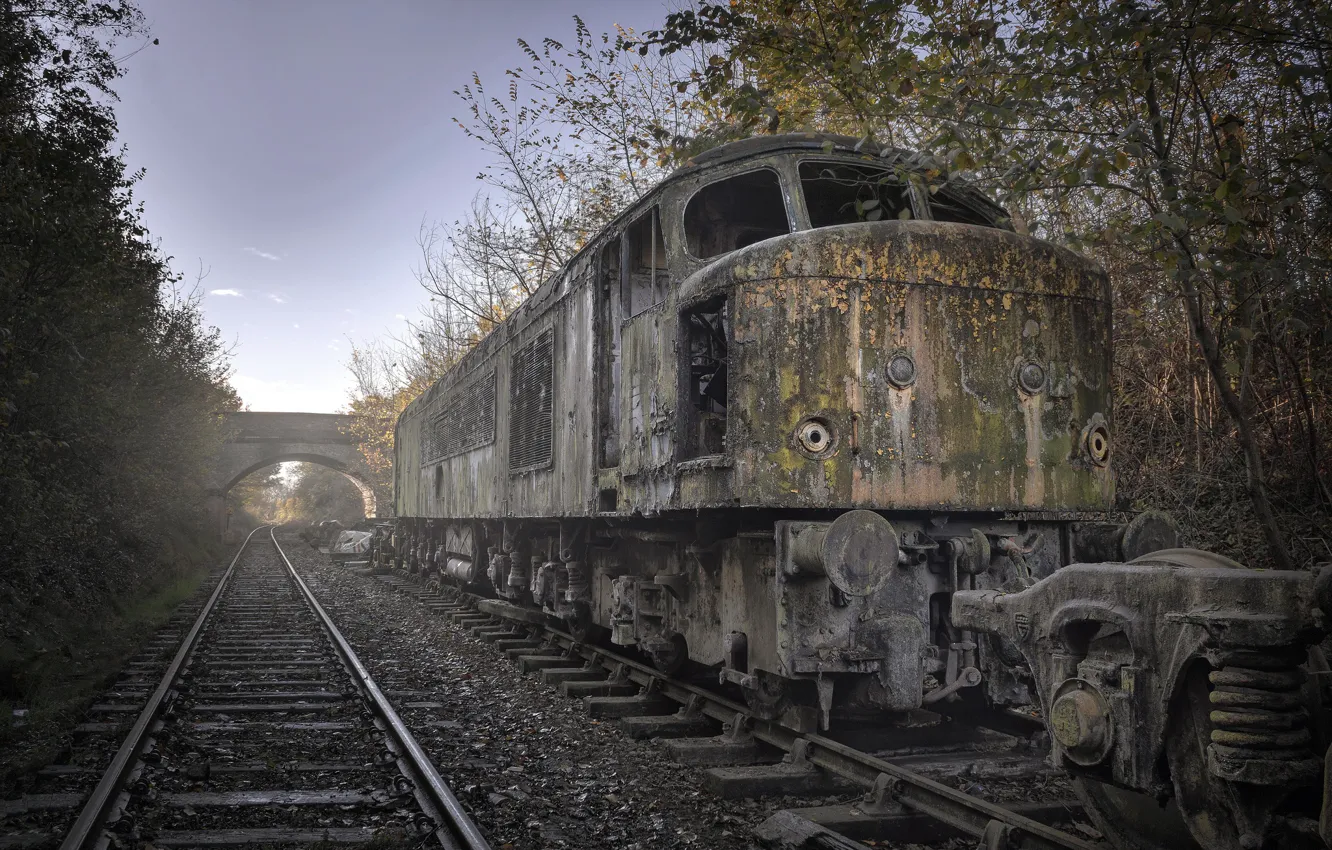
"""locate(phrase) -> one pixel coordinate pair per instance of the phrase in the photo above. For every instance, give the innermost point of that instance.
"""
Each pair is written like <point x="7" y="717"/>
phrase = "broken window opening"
<point x="706" y="329"/>
<point x="643" y="261"/>
<point x="845" y="193"/>
<point x="945" y="207"/>
<point x="734" y="213"/>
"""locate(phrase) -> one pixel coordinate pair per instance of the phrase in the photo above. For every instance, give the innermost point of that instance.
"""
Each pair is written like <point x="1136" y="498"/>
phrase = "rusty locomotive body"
<point x="799" y="419"/>
<point x="747" y="427"/>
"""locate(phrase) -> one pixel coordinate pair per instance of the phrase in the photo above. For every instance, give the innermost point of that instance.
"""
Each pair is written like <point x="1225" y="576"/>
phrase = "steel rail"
<point x="906" y="787"/>
<point x="87" y="829"/>
<point x="456" y="829"/>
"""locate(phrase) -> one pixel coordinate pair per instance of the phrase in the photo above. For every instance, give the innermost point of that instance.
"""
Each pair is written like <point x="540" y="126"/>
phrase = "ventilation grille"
<point x="466" y="421"/>
<point x="531" y="402"/>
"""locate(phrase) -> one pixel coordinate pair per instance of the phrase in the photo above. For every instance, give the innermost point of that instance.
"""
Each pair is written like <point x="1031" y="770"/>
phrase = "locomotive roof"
<point x="830" y="144"/>
<point x="759" y="145"/>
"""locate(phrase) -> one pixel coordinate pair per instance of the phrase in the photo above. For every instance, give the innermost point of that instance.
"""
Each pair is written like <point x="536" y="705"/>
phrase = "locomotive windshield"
<point x="943" y="207"/>
<point x="732" y="213"/>
<point x="844" y="193"/>
<point x="738" y="211"/>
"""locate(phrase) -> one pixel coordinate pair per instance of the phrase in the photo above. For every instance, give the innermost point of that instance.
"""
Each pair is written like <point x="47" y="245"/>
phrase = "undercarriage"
<point x="1183" y="692"/>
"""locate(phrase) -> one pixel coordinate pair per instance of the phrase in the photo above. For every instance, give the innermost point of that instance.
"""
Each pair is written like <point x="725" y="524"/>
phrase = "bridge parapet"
<point x="257" y="439"/>
<point x="260" y="426"/>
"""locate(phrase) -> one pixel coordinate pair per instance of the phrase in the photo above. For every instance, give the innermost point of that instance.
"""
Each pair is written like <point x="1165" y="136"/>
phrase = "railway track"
<point x="905" y="797"/>
<point x="263" y="729"/>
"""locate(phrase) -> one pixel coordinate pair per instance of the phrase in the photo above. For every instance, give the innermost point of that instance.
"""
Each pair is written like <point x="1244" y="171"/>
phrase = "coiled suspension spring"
<point x="579" y="587"/>
<point x="1259" y="714"/>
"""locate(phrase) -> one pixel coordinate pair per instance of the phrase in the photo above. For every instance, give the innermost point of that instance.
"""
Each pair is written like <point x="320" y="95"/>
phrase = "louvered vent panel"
<point x="429" y="442"/>
<point x="465" y="422"/>
<point x="531" y="402"/>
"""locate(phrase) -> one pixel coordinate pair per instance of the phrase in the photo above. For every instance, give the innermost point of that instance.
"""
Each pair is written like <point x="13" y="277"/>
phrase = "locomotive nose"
<point x="913" y="364"/>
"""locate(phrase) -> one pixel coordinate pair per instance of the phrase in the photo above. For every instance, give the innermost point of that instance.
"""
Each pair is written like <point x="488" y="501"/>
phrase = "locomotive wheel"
<point x="1204" y="810"/>
<point x="670" y="656"/>
<point x="771" y="699"/>
<point x="1135" y="821"/>
<point x="579" y="622"/>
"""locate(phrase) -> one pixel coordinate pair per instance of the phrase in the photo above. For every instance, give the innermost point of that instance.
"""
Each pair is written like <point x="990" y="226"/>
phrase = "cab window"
<point x="730" y="214"/>
<point x="944" y="207"/>
<point x="845" y="193"/>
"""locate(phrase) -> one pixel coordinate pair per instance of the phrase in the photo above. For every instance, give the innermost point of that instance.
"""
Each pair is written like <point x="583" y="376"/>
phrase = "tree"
<point x="315" y="493"/>
<point x="578" y="135"/>
<point x="256" y="496"/>
<point x="1185" y="143"/>
<point x="111" y="387"/>
<point x="388" y="377"/>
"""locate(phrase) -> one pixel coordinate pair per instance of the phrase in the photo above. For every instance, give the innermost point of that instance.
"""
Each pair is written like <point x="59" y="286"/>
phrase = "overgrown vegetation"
<point x="67" y="658"/>
<point x="1185" y="146"/>
<point x="110" y="384"/>
<point x="575" y="136"/>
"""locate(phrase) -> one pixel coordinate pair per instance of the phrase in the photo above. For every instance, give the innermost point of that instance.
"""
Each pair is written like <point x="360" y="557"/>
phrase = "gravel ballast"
<point x="526" y="761"/>
<point x="531" y="767"/>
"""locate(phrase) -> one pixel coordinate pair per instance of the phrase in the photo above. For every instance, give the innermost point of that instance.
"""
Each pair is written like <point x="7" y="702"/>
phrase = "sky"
<point x="292" y="150"/>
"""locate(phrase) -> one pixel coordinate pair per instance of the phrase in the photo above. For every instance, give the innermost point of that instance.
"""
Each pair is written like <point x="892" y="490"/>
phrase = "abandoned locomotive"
<point x="748" y="427"/>
<point x="798" y="417"/>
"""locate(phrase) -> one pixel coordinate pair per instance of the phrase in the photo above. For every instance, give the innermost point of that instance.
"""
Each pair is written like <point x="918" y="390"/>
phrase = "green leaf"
<point x="1171" y="221"/>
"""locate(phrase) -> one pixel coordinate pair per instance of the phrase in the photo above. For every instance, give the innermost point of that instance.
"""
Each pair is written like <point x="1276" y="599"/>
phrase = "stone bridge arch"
<point x="259" y="439"/>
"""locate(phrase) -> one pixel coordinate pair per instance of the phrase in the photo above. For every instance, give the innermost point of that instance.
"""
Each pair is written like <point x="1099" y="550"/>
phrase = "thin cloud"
<point x="229" y="293"/>
<point x="277" y="299"/>
<point x="263" y="394"/>
<point x="400" y="316"/>
<point x="262" y="254"/>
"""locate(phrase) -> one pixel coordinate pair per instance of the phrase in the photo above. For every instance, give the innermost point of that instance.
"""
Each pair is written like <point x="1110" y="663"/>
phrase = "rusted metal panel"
<point x="478" y="483"/>
<point x="749" y="598"/>
<point x="575" y="414"/>
<point x="648" y="409"/>
<point x="528" y="492"/>
<point x="820" y="318"/>
<point x="407" y="464"/>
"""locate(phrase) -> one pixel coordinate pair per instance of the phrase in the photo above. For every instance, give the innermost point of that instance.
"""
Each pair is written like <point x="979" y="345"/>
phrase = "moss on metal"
<point x="820" y="315"/>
